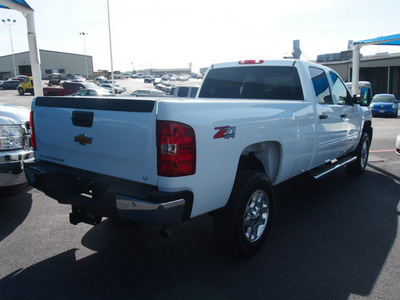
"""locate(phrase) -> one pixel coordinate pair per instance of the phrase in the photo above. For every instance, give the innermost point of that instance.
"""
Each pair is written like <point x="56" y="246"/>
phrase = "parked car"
<point x="15" y="145"/>
<point x="26" y="86"/>
<point x="164" y="86"/>
<point x="108" y="86"/>
<point x="147" y="93"/>
<point x="122" y="76"/>
<point x="100" y="79"/>
<point x="183" y="77"/>
<point x="148" y="79"/>
<point x="384" y="105"/>
<point x="79" y="78"/>
<point x="120" y="86"/>
<point x="398" y="144"/>
<point x="21" y="78"/>
<point x="93" y="92"/>
<point x="9" y="85"/>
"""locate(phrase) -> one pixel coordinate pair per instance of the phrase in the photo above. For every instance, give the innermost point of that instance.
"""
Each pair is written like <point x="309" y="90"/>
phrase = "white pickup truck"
<point x="253" y="124"/>
<point x="14" y="145"/>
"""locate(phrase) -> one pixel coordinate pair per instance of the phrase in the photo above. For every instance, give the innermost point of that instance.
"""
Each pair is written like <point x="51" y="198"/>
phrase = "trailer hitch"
<point x="79" y="215"/>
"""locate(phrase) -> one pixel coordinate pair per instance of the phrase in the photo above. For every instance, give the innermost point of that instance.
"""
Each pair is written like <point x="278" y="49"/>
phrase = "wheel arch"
<point x="368" y="129"/>
<point x="264" y="157"/>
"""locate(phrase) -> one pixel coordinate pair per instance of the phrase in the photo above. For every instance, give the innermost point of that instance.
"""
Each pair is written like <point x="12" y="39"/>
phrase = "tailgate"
<point x="115" y="137"/>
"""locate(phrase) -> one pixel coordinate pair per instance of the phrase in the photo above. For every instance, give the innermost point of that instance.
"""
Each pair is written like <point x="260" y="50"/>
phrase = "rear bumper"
<point x="105" y="196"/>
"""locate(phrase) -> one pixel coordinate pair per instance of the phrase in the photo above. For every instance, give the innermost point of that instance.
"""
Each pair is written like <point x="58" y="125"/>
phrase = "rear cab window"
<point x="249" y="82"/>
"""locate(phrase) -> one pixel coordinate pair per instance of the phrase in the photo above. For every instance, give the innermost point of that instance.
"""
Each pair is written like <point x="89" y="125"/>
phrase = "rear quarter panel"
<point x="218" y="158"/>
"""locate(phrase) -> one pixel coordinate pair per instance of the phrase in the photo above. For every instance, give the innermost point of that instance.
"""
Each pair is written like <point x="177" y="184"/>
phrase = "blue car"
<point x="384" y="105"/>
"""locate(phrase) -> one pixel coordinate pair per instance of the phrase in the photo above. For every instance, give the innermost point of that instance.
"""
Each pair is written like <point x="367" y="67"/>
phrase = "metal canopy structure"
<point x="390" y="40"/>
<point x="28" y="12"/>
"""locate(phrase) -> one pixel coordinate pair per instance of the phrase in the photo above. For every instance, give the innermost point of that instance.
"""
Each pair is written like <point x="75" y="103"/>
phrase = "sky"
<point x="177" y="33"/>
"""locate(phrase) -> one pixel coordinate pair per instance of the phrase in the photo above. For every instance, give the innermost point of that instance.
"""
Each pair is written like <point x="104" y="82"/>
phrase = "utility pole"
<point x="84" y="34"/>
<point x="10" y="22"/>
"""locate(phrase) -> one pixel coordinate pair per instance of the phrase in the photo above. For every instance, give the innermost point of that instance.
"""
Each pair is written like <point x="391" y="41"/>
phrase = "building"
<point x="67" y="64"/>
<point x="381" y="69"/>
<point x="160" y="72"/>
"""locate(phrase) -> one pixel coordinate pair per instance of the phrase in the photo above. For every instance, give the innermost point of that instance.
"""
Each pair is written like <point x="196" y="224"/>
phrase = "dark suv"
<point x="9" y="85"/>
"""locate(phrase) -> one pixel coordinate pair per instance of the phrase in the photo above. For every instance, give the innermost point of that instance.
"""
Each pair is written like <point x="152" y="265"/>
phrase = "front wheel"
<point x="243" y="225"/>
<point x="21" y="91"/>
<point x="362" y="152"/>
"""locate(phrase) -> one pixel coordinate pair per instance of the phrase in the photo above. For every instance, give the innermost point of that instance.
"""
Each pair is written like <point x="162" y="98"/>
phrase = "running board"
<point x="322" y="171"/>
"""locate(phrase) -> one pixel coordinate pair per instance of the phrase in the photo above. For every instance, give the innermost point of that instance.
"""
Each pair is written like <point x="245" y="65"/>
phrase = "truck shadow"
<point x="15" y="205"/>
<point x="330" y="239"/>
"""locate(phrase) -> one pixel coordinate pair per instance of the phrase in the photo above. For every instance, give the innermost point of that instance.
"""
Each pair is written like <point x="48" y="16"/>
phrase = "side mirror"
<point x="357" y="99"/>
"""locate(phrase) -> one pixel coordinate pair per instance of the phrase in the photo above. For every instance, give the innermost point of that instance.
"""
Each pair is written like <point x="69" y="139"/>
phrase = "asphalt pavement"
<point x="336" y="238"/>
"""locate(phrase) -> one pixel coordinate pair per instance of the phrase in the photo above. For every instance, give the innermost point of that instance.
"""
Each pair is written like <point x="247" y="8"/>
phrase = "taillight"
<point x="251" y="62"/>
<point x="176" y="149"/>
<point x="33" y="140"/>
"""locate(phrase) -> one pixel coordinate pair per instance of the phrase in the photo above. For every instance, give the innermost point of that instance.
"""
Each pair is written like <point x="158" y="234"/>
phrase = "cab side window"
<point x="321" y="85"/>
<point x="339" y="90"/>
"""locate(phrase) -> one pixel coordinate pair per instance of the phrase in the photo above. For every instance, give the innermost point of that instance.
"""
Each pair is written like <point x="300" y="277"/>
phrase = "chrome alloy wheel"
<point x="364" y="154"/>
<point x="256" y="215"/>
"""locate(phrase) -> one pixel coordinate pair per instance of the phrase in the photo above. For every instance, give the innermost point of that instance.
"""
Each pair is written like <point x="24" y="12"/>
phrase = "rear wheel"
<point x="362" y="152"/>
<point x="243" y="225"/>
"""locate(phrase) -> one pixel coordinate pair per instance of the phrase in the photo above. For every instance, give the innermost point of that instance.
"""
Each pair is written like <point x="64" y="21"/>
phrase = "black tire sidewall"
<point x="229" y="222"/>
<point x="355" y="167"/>
<point x="258" y="182"/>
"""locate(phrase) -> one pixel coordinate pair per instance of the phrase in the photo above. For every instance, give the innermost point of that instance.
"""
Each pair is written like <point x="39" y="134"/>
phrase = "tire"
<point x="21" y="91"/>
<point x="242" y="226"/>
<point x="362" y="152"/>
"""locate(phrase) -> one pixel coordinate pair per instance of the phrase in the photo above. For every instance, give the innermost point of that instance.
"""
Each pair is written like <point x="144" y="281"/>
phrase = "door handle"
<point x="323" y="117"/>
<point x="82" y="118"/>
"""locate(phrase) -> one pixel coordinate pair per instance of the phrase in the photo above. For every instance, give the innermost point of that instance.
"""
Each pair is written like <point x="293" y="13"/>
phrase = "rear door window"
<point x="251" y="82"/>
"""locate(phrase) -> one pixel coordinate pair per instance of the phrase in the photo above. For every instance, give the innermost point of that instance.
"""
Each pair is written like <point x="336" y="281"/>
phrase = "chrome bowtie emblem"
<point x="83" y="139"/>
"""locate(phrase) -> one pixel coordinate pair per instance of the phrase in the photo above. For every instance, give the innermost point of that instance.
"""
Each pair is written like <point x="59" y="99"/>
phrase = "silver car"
<point x="398" y="144"/>
<point x="15" y="145"/>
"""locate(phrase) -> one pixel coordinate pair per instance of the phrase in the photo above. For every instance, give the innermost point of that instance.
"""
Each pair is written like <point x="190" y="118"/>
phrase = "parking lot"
<point x="336" y="238"/>
<point x="12" y="97"/>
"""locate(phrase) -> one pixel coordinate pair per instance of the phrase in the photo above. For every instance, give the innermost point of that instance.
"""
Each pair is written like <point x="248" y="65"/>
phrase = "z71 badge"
<point x="225" y="132"/>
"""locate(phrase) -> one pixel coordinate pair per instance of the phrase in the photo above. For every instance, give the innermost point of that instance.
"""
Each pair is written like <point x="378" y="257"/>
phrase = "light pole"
<point x="111" y="56"/>
<point x="10" y="22"/>
<point x="84" y="34"/>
